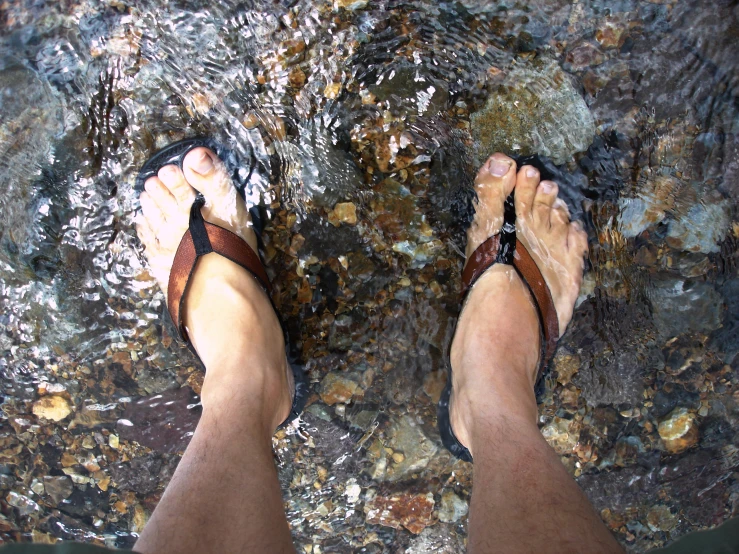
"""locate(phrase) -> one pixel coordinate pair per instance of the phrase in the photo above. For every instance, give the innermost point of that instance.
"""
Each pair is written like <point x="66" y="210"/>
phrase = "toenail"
<point x="500" y="167"/>
<point x="203" y="164"/>
<point x="546" y="187"/>
<point x="168" y="170"/>
<point x="531" y="172"/>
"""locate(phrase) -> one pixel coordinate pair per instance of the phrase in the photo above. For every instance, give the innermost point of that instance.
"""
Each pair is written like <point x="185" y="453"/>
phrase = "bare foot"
<point x="228" y="316"/>
<point x="496" y="347"/>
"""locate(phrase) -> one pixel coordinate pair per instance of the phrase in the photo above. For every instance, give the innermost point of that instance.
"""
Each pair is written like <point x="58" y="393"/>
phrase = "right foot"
<point x="228" y="317"/>
<point x="496" y="346"/>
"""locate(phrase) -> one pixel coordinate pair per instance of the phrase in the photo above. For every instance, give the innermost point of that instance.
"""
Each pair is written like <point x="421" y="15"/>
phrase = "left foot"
<point x="228" y="317"/>
<point x="495" y="350"/>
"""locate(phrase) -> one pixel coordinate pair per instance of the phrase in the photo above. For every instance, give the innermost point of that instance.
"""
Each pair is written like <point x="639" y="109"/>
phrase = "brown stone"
<point x="678" y="431"/>
<point x="195" y="381"/>
<point x="297" y="77"/>
<point x="55" y="408"/>
<point x="610" y="34"/>
<point x="343" y="212"/>
<point x="332" y="91"/>
<point x="566" y="366"/>
<point x="336" y="389"/>
<point x="415" y="512"/>
<point x="433" y="385"/>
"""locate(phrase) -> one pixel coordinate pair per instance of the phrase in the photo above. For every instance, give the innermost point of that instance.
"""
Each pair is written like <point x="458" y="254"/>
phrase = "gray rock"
<point x="407" y="437"/>
<point x="536" y="110"/>
<point x="58" y="488"/>
<point x="436" y="539"/>
<point x="613" y="378"/>
<point x="685" y="306"/>
<point x="452" y="508"/>
<point x="703" y="227"/>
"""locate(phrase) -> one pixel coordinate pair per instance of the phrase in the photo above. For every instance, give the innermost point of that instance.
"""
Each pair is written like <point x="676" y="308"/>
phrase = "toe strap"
<point x="203" y="238"/>
<point x="496" y="250"/>
<point x="531" y="275"/>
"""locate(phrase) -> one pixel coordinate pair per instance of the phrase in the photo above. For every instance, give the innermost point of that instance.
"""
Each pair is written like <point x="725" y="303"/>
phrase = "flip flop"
<point x="503" y="248"/>
<point x="202" y="238"/>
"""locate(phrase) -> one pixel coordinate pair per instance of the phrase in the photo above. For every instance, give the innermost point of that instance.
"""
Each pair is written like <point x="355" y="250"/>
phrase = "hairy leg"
<point x="224" y="496"/>
<point x="523" y="500"/>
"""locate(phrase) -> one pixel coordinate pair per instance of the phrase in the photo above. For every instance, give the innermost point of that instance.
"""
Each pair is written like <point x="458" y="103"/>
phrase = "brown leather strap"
<point x="223" y="242"/>
<point x="486" y="255"/>
<point x="482" y="258"/>
<point x="531" y="275"/>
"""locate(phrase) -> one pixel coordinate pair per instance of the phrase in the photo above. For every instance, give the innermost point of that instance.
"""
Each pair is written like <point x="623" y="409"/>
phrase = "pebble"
<point x="336" y="389"/>
<point x="679" y="430"/>
<point x="343" y="212"/>
<point x="54" y="408"/>
<point x="452" y="508"/>
<point x="58" y="488"/>
<point x="412" y="511"/>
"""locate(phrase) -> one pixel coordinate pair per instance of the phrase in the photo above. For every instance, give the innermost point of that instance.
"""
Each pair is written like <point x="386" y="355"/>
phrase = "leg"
<point x="224" y="496"/>
<point x="523" y="500"/>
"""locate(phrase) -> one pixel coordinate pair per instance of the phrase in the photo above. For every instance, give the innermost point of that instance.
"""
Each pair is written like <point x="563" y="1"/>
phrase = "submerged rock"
<point x="678" y="431"/>
<point x="407" y="438"/>
<point x="412" y="511"/>
<point x="452" y="508"/>
<point x="55" y="408"/>
<point x="703" y="227"/>
<point x="648" y="208"/>
<point x="684" y="306"/>
<point x="535" y="110"/>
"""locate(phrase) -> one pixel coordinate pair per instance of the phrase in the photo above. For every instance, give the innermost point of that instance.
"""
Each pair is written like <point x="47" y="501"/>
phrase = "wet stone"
<point x="679" y="430"/>
<point x="336" y="389"/>
<point x="54" y="408"/>
<point x="58" y="488"/>
<point x="684" y="306"/>
<point x="614" y="377"/>
<point x="703" y="227"/>
<point x="436" y="539"/>
<point x="535" y="109"/>
<point x="649" y="208"/>
<point x="142" y="475"/>
<point x="452" y="508"/>
<point x="406" y="437"/>
<point x="660" y="518"/>
<point x="412" y="511"/>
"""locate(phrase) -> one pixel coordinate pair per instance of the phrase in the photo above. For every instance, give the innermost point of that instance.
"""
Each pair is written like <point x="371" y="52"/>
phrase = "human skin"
<point x="225" y="496"/>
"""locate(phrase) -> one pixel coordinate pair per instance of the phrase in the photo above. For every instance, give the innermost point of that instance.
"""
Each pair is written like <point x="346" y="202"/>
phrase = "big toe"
<point x="207" y="173"/>
<point x="494" y="182"/>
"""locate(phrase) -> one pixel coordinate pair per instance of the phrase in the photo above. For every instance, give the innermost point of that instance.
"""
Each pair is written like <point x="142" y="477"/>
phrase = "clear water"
<point x="389" y="106"/>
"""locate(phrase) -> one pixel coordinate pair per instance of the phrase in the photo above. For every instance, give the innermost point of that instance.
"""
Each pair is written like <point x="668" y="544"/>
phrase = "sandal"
<point x="503" y="248"/>
<point x="203" y="238"/>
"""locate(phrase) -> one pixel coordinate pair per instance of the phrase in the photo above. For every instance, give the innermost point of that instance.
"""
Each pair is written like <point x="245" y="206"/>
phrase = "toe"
<point x="206" y="173"/>
<point x="145" y="232"/>
<point x="161" y="195"/>
<point x="546" y="193"/>
<point x="152" y="212"/>
<point x="527" y="180"/>
<point x="172" y="178"/>
<point x="560" y="213"/>
<point x="577" y="239"/>
<point x="496" y="177"/>
<point x="493" y="184"/>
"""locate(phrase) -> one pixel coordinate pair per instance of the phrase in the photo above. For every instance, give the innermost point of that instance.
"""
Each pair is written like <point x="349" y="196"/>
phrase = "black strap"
<point x="507" y="233"/>
<point x="200" y="239"/>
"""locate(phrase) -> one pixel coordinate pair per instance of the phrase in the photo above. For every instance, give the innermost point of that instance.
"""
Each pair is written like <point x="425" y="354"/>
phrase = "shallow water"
<point x="365" y="122"/>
